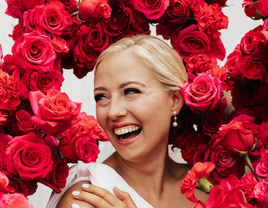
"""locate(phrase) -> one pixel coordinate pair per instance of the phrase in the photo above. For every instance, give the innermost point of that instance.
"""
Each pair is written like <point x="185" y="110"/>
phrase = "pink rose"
<point x="34" y="51"/>
<point x="16" y="201"/>
<point x="3" y="182"/>
<point x="94" y="10"/>
<point x="203" y="94"/>
<point x="29" y="157"/>
<point x="256" y="9"/>
<point x="152" y="9"/>
<point x="54" y="112"/>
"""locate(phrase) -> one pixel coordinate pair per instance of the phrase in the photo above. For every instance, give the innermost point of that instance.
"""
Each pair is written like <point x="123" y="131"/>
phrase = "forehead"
<point x="122" y="66"/>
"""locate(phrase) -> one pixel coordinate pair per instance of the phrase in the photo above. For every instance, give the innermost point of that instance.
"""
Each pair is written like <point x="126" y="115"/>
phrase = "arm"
<point x="67" y="199"/>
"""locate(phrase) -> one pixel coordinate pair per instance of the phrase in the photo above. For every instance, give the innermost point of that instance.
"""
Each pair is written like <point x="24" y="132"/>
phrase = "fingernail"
<point x="76" y="193"/>
<point x="75" y="206"/>
<point x="85" y="185"/>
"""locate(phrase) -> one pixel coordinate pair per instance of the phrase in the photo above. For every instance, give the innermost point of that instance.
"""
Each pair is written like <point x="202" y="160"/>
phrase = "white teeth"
<point x="125" y="130"/>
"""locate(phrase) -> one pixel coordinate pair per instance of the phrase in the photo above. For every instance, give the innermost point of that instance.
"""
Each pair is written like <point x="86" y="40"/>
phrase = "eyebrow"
<point x="122" y="85"/>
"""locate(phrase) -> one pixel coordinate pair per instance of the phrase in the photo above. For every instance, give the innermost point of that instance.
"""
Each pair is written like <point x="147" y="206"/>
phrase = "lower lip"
<point x="127" y="142"/>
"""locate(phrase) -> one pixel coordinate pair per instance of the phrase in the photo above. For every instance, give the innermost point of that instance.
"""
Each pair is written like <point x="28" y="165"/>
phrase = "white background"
<point x="81" y="90"/>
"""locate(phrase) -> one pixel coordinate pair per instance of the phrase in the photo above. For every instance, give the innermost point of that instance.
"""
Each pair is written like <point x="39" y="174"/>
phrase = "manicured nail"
<point x="85" y="185"/>
<point x="76" y="193"/>
<point x="75" y="206"/>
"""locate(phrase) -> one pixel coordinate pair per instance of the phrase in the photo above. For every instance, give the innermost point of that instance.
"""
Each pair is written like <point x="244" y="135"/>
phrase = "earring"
<point x="175" y="124"/>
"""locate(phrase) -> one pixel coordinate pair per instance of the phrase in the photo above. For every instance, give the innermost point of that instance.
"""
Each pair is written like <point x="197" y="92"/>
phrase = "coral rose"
<point x="54" y="112"/>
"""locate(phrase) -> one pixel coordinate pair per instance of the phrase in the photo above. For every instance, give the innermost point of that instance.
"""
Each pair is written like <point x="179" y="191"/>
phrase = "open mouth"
<point x="128" y="133"/>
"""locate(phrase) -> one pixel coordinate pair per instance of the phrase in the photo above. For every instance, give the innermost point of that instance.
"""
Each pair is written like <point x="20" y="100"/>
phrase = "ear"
<point x="177" y="101"/>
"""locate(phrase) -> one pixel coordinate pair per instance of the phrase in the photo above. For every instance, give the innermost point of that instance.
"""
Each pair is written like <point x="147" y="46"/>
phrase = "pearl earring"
<point x="175" y="124"/>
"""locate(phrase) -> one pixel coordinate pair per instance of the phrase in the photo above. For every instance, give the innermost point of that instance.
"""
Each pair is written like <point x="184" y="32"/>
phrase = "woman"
<point x="137" y="103"/>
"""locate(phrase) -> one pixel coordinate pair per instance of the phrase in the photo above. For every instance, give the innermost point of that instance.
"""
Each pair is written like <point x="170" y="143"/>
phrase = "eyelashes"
<point x="128" y="91"/>
<point x="131" y="91"/>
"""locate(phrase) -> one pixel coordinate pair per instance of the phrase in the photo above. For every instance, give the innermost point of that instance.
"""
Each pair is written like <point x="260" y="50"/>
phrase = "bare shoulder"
<point x="67" y="199"/>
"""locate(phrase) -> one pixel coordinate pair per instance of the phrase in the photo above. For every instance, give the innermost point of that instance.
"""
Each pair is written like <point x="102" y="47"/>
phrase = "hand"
<point x="101" y="198"/>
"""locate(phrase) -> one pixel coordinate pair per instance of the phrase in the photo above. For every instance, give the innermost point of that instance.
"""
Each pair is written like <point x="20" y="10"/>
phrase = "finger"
<point x="103" y="193"/>
<point x="125" y="197"/>
<point x="92" y="199"/>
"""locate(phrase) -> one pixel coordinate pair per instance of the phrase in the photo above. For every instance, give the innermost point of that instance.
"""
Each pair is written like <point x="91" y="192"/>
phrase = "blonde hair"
<point x="163" y="61"/>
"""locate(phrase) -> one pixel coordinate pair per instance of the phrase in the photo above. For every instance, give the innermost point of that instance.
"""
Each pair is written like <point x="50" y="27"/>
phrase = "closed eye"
<point x="129" y="91"/>
<point x="99" y="97"/>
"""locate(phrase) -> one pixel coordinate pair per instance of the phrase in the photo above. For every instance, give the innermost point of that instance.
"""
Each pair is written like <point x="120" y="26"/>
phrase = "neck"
<point x="150" y="174"/>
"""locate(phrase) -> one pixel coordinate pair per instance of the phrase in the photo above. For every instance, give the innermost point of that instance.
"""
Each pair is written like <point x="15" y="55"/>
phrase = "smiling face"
<point x="132" y="106"/>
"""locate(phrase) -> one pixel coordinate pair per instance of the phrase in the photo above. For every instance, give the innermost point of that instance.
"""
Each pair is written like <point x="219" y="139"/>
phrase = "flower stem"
<point x="246" y="158"/>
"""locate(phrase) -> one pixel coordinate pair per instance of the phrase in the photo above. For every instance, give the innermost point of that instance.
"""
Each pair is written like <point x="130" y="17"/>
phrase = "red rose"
<point x="178" y="11"/>
<point x="199" y="204"/>
<point x="247" y="184"/>
<point x="256" y="9"/>
<point x="4" y="139"/>
<point x="1" y="58"/>
<point x="236" y="137"/>
<point x="11" y="92"/>
<point x="119" y="22"/>
<point x="199" y="63"/>
<point x="11" y="65"/>
<point x="56" y="179"/>
<point x="43" y="80"/>
<point x="211" y="19"/>
<point x="34" y="51"/>
<point x="53" y="18"/>
<point x="24" y="121"/>
<point x="261" y="190"/>
<point x="87" y="45"/>
<point x="152" y="9"/>
<point x="55" y="112"/>
<point x="253" y="44"/>
<point x="16" y="200"/>
<point x="190" y="40"/>
<point x="16" y="185"/>
<point x="227" y="193"/>
<point x="203" y="94"/>
<point x="225" y="164"/>
<point x="212" y="122"/>
<point x="94" y="10"/>
<point x="189" y="183"/>
<point x="29" y="157"/>
<point x="27" y="5"/>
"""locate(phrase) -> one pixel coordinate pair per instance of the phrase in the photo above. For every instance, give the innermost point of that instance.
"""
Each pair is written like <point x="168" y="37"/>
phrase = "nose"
<point x="117" y="109"/>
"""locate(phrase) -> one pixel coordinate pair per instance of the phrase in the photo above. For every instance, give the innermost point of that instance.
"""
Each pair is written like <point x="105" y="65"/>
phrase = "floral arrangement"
<point x="42" y="130"/>
<point x="228" y="151"/>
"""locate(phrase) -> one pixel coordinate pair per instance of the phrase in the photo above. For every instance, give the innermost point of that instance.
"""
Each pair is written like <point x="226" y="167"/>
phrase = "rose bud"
<point x="236" y="138"/>
<point x="94" y="9"/>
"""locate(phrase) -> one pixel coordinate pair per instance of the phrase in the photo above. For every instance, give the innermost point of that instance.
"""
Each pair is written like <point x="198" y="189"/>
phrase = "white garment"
<point x="100" y="175"/>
